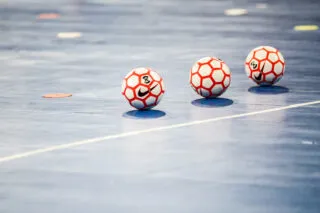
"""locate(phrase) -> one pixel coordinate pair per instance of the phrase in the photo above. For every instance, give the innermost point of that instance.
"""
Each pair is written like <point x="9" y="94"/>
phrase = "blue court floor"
<point x="254" y="150"/>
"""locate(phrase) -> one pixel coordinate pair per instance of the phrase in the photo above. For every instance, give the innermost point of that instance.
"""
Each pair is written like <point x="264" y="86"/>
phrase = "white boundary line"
<point x="123" y="135"/>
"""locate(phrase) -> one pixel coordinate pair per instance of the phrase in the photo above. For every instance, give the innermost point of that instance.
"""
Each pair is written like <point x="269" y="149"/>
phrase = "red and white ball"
<point x="210" y="77"/>
<point x="143" y="88"/>
<point x="265" y="65"/>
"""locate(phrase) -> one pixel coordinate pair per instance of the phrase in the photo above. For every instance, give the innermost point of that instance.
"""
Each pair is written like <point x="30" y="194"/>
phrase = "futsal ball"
<point x="143" y="88"/>
<point x="265" y="65"/>
<point x="210" y="77"/>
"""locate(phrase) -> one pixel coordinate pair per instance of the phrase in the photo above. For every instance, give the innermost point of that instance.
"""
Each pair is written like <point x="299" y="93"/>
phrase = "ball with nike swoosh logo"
<point x="265" y="65"/>
<point x="210" y="77"/>
<point x="143" y="88"/>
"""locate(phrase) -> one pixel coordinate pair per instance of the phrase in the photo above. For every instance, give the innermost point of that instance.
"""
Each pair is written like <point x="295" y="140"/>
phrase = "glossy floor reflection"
<point x="268" y="90"/>
<point x="144" y="114"/>
<point x="212" y="102"/>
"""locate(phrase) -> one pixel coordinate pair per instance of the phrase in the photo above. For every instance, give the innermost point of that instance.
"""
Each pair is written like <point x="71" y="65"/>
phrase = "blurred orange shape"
<point x="57" y="95"/>
<point x="48" y="16"/>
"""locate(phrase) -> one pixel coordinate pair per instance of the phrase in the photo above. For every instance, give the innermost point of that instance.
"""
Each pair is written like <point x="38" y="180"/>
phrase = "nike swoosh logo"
<point x="141" y="94"/>
<point x="259" y="77"/>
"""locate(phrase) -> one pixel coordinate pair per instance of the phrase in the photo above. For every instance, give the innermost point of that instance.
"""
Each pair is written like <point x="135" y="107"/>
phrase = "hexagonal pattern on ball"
<point x="137" y="104"/>
<point x="196" y="80"/>
<point x="207" y="83"/>
<point x="264" y="71"/>
<point x="278" y="68"/>
<point x="226" y="81"/>
<point x="210" y="78"/>
<point x="204" y="92"/>
<point x="133" y="81"/>
<point x="218" y="75"/>
<point x="151" y="100"/>
<point x="205" y="70"/>
<point x="216" y="64"/>
<point x="273" y="57"/>
<point x="217" y="89"/>
<point x="260" y="54"/>
<point x="129" y="93"/>
<point x="143" y="88"/>
<point x="270" y="77"/>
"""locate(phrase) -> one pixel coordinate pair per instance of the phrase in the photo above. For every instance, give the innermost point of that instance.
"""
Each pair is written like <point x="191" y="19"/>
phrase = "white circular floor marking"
<point x="235" y="12"/>
<point x="69" y="35"/>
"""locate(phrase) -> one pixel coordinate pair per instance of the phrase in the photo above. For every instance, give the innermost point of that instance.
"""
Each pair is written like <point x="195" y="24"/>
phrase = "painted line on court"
<point x="127" y="134"/>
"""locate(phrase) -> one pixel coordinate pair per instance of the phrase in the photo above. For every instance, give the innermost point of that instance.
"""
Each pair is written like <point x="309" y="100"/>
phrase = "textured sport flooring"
<point x="254" y="150"/>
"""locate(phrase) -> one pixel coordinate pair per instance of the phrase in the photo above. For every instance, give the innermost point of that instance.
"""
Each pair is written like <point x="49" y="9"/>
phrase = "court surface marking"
<point x="126" y="134"/>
